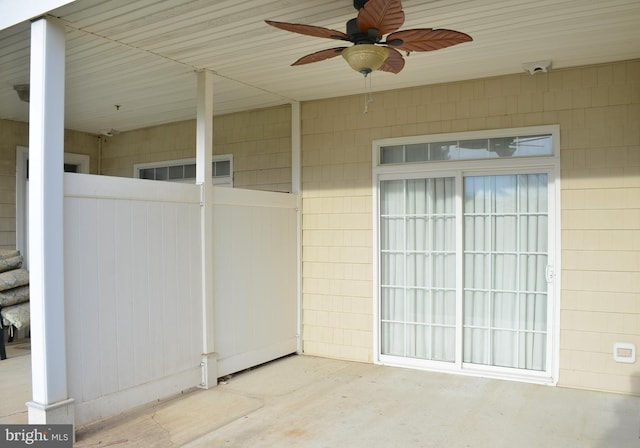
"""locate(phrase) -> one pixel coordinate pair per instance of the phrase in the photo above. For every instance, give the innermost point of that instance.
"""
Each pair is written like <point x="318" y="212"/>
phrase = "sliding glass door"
<point x="505" y="260"/>
<point x="463" y="274"/>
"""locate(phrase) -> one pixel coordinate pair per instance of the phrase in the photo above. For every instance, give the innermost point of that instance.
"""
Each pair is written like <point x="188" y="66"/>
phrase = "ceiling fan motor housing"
<point x="372" y="36"/>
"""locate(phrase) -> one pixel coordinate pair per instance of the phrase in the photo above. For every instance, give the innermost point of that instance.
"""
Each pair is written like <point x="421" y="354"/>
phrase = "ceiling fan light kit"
<point x="365" y="58"/>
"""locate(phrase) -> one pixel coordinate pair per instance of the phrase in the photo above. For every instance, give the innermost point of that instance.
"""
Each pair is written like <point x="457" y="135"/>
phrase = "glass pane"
<point x="443" y="150"/>
<point x="477" y="306"/>
<point x="475" y="149"/>
<point x="392" y="304"/>
<point x="506" y="311"/>
<point x="392" y="234"/>
<point x="443" y="195"/>
<point x="504" y="194"/>
<point x="418" y="197"/>
<point x="147" y="173"/>
<point x="443" y="270"/>
<point x="533" y="233"/>
<point x="533" y="193"/>
<point x="70" y="168"/>
<point x="505" y="272"/>
<point x="533" y="312"/>
<point x="392" y="269"/>
<point x="505" y="230"/>
<point x="418" y="234"/>
<point x="392" y="197"/>
<point x="418" y="341"/>
<point x="478" y="197"/>
<point x="503" y="147"/>
<point x="190" y="171"/>
<point x="475" y="346"/>
<point x="417" y="153"/>
<point x="392" y="154"/>
<point x="477" y="271"/>
<point x="176" y="172"/>
<point x="533" y="276"/>
<point x="418" y="306"/>
<point x="221" y="168"/>
<point x="444" y="233"/>
<point x="162" y="173"/>
<point x="534" y="145"/>
<point x="505" y="348"/>
<point x="443" y="344"/>
<point x="477" y="233"/>
<point x="392" y="339"/>
<point x="532" y="353"/>
<point x="418" y="270"/>
<point x="444" y="308"/>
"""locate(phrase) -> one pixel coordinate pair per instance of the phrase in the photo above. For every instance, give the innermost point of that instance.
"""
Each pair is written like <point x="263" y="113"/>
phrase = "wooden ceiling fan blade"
<point x="384" y="15"/>
<point x="394" y="62"/>
<point x="309" y="30"/>
<point x="319" y="56"/>
<point x="427" y="39"/>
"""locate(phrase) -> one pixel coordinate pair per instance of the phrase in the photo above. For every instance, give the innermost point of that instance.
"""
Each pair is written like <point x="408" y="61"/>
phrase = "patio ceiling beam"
<point x="50" y="403"/>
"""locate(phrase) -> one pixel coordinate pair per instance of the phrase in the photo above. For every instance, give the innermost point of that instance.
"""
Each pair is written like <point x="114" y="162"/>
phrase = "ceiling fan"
<point x="376" y="18"/>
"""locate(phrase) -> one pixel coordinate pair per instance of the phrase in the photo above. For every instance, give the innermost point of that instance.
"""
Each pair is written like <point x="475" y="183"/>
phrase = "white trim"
<point x="459" y="169"/>
<point x="296" y="188"/>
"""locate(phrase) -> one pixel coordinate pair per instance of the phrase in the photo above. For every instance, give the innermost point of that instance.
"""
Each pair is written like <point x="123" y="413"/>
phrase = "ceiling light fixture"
<point x="23" y="92"/>
<point x="365" y="58"/>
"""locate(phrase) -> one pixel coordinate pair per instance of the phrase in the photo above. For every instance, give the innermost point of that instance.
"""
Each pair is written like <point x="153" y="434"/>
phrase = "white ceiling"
<point x="142" y="54"/>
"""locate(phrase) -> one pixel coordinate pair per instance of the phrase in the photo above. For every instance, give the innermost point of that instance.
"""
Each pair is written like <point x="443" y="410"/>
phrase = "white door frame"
<point x="22" y="201"/>
<point x="547" y="164"/>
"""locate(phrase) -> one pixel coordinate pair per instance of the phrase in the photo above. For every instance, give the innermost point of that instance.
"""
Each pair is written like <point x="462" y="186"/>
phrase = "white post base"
<point x="209" y="366"/>
<point x="60" y="413"/>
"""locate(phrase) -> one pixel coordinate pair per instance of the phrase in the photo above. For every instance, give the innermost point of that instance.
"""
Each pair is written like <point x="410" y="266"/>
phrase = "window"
<point x="468" y="149"/>
<point x="466" y="254"/>
<point x="185" y="170"/>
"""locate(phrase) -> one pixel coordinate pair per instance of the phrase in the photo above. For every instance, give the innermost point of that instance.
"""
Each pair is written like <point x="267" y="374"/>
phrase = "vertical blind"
<point x="505" y="222"/>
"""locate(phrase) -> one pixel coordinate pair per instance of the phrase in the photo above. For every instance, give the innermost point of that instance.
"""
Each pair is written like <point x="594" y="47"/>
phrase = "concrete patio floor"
<point x="302" y="401"/>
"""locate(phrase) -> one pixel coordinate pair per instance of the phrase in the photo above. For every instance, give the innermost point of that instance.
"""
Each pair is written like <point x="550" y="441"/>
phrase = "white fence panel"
<point x="132" y="291"/>
<point x="254" y="278"/>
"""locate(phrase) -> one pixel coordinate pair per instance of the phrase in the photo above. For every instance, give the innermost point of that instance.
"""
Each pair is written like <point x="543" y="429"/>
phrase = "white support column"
<point x="296" y="188"/>
<point x="50" y="403"/>
<point x="204" y="158"/>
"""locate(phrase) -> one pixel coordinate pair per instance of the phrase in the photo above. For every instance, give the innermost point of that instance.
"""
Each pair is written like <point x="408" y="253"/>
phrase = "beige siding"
<point x="598" y="110"/>
<point x="12" y="135"/>
<point x="260" y="142"/>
